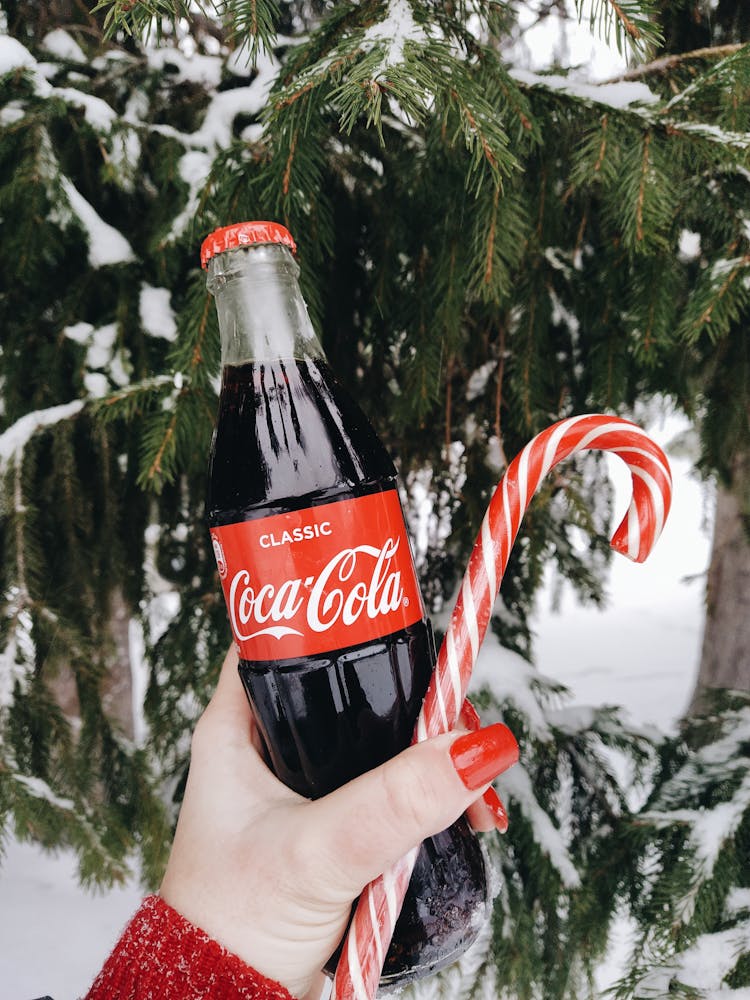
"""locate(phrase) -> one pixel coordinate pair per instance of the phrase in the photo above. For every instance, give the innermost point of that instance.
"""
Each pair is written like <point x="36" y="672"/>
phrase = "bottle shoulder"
<point x="288" y="435"/>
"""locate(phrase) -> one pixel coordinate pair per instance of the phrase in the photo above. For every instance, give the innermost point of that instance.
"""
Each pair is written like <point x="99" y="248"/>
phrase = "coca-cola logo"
<point x="355" y="582"/>
<point x="327" y="577"/>
<point x="221" y="562"/>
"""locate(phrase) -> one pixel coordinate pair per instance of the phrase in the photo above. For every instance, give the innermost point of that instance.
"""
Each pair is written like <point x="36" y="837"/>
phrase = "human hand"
<point x="271" y="875"/>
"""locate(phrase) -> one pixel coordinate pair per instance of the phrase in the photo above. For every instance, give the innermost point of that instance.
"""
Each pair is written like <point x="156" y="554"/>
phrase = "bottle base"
<point x="444" y="910"/>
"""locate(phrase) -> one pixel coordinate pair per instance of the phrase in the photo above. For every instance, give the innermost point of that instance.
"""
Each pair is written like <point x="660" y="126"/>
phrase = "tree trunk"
<point x="117" y="690"/>
<point x="725" y="657"/>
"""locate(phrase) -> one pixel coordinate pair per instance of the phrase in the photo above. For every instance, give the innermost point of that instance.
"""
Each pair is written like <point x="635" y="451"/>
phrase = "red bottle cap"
<point x="242" y="234"/>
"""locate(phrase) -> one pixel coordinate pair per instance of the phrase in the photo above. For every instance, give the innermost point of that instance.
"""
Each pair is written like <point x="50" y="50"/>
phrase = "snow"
<point x="55" y="936"/>
<point x="13" y="55"/>
<point x="689" y="245"/>
<point x="622" y="94"/>
<point x="79" y="332"/>
<point x="194" y="168"/>
<point x="216" y="131"/>
<point x="737" y="900"/>
<point x="516" y="784"/>
<point x="710" y="827"/>
<point x="140" y="674"/>
<point x="100" y="115"/>
<point x="96" y="384"/>
<point x="703" y="966"/>
<point x="157" y="316"/>
<point x="62" y="45"/>
<point x="558" y="38"/>
<point x="41" y="790"/>
<point x="392" y="33"/>
<point x="106" y="244"/>
<point x="17" y="659"/>
<point x="495" y="457"/>
<point x="15" y="438"/>
<point x="11" y="114"/>
<point x="724" y="137"/>
<point x="102" y="362"/>
<point x="478" y="379"/>
<point x="99" y="353"/>
<point x="119" y="370"/>
<point x="196" y="68"/>
<point x="509" y="677"/>
<point x="641" y="651"/>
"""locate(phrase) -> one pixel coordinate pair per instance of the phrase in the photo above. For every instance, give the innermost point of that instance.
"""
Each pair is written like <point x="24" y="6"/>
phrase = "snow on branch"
<point x="619" y="94"/>
<point x="106" y="244"/>
<point x="16" y="437"/>
<point x="41" y="790"/>
<point x="17" y="658"/>
<point x="710" y="828"/>
<point x="516" y="784"/>
<point x="396" y="29"/>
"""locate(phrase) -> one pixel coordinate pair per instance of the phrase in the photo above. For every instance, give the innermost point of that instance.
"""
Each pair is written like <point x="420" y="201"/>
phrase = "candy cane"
<point x="370" y="932"/>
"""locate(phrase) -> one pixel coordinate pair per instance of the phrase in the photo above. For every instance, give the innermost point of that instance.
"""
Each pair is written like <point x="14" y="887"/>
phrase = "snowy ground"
<point x="641" y="653"/>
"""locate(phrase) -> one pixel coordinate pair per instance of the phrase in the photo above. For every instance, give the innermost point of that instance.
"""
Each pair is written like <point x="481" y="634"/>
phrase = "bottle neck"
<point x="262" y="315"/>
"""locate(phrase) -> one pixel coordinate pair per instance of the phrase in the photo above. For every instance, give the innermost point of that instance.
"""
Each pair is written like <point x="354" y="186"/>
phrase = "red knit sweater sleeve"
<point x="162" y="955"/>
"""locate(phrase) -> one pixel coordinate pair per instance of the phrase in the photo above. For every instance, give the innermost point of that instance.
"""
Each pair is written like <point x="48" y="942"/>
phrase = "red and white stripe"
<point x="361" y="963"/>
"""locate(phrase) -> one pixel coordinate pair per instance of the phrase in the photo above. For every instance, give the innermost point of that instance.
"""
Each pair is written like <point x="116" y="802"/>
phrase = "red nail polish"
<point x="469" y="716"/>
<point x="499" y="813"/>
<point x="479" y="757"/>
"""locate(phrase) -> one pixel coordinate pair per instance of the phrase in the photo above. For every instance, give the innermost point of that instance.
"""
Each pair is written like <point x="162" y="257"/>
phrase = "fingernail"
<point x="479" y="757"/>
<point x="469" y="716"/>
<point x="493" y="802"/>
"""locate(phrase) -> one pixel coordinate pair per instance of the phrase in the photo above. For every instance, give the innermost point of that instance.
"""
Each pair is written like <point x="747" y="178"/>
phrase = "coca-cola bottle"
<point x="336" y="651"/>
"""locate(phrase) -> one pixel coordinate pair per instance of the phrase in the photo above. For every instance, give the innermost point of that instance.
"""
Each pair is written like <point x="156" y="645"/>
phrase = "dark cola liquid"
<point x="289" y="437"/>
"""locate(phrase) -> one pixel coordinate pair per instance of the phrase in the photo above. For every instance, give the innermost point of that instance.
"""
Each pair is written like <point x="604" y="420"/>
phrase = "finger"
<point x="487" y="813"/>
<point x="493" y="804"/>
<point x="365" y="826"/>
<point x="480" y="817"/>
<point x="469" y="717"/>
<point x="228" y="711"/>
<point x="225" y="694"/>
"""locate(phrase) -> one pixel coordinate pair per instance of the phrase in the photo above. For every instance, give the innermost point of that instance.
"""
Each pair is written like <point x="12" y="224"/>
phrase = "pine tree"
<point x="484" y="250"/>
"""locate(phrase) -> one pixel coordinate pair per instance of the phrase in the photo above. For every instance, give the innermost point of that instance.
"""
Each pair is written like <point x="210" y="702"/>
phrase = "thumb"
<point x="363" y="827"/>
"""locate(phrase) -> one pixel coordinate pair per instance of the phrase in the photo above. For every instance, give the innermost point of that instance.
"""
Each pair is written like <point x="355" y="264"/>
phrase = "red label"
<point x="318" y="579"/>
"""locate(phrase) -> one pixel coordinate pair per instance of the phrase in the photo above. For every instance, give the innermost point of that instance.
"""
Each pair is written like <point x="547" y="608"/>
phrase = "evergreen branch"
<point x="719" y="300"/>
<point x="20" y="511"/>
<point x="667" y="63"/>
<point x="313" y="78"/>
<point x="474" y="132"/>
<point x="17" y="436"/>
<point x="649" y="116"/>
<point x="640" y="198"/>
<point x="602" y="147"/>
<point x="634" y="22"/>
<point x="130" y="401"/>
<point x="710" y="134"/>
<point x="491" y="236"/>
<point x="254" y="24"/>
<point x="155" y="470"/>
<point x="483" y="133"/>
<point x="138" y="19"/>
<point x="736" y="62"/>
<point x="194" y="356"/>
<point x="642" y="188"/>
